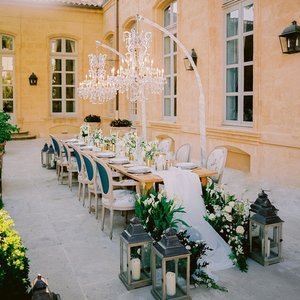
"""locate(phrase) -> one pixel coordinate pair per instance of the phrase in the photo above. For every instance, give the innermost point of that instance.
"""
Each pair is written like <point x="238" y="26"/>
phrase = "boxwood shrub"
<point x="14" y="265"/>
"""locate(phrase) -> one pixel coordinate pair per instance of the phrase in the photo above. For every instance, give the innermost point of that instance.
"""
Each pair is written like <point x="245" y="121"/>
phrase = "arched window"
<point x="170" y="63"/>
<point x="63" y="76"/>
<point x="7" y="82"/>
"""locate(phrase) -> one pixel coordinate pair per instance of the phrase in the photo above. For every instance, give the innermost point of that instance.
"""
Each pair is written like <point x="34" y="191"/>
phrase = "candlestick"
<point x="136" y="268"/>
<point x="171" y="283"/>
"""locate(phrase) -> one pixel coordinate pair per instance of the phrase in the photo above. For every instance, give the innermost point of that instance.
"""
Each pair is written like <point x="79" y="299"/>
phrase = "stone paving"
<point x="66" y="245"/>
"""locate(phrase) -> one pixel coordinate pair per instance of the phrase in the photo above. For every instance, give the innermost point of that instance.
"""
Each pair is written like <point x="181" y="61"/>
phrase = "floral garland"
<point x="156" y="213"/>
<point x="229" y="217"/>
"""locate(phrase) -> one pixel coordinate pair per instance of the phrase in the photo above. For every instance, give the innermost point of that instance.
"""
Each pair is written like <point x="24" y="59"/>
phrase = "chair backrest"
<point x="164" y="145"/>
<point x="90" y="167"/>
<point x="67" y="151"/>
<point x="56" y="145"/>
<point x="216" y="161"/>
<point x="78" y="156"/>
<point x="183" y="153"/>
<point x="106" y="180"/>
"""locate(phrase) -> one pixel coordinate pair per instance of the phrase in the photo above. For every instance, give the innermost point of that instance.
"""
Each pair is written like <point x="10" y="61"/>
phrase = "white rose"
<point x="228" y="209"/>
<point x="188" y="247"/>
<point x="231" y="203"/>
<point x="228" y="218"/>
<point x="212" y="217"/>
<point x="240" y="229"/>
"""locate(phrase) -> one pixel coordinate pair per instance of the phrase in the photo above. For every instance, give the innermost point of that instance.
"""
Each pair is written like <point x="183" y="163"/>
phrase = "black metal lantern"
<point x="50" y="158"/>
<point x="170" y="262"/>
<point x="265" y="232"/>
<point x="290" y="39"/>
<point x="187" y="63"/>
<point x="44" y="155"/>
<point x="135" y="256"/>
<point x="33" y="79"/>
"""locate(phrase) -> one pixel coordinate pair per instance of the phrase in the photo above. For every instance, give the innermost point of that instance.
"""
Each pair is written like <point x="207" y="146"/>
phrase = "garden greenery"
<point x="229" y="217"/>
<point x="14" y="266"/>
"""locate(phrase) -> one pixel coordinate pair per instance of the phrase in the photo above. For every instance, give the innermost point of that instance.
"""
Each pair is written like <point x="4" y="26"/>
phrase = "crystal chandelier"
<point x="97" y="87"/>
<point x="136" y="75"/>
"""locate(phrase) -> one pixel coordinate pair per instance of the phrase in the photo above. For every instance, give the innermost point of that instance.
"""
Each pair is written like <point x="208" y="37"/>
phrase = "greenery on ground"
<point x="229" y="217"/>
<point x="14" y="265"/>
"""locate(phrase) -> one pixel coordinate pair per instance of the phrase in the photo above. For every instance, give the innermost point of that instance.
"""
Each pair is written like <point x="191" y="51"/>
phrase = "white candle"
<point x="136" y="268"/>
<point x="268" y="248"/>
<point x="262" y="246"/>
<point x="171" y="283"/>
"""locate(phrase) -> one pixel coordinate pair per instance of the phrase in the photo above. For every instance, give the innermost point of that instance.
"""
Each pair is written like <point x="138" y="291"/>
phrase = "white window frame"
<point x="173" y="98"/>
<point x="8" y="53"/>
<point x="64" y="56"/>
<point x="238" y="5"/>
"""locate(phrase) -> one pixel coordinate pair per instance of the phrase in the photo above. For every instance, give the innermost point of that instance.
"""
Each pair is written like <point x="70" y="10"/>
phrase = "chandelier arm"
<point x="199" y="83"/>
<point x="98" y="43"/>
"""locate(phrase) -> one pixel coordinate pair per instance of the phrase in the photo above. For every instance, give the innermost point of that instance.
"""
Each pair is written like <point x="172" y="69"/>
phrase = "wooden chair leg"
<point x="96" y="201"/>
<point x="90" y="202"/>
<point x="103" y="218"/>
<point x="79" y="190"/>
<point x="83" y="194"/>
<point x="111" y="221"/>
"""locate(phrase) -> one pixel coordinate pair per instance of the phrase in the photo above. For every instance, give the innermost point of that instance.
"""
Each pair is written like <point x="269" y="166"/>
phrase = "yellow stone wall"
<point x="270" y="150"/>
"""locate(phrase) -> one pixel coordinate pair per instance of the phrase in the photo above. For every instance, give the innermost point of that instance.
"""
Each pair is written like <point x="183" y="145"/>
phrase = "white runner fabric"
<point x="185" y="187"/>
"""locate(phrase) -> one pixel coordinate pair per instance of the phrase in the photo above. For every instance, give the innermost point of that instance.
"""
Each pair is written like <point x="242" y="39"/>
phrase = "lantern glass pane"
<point x="124" y="262"/>
<point x="273" y="238"/>
<point x="257" y="238"/>
<point x="158" y="273"/>
<point x="146" y="260"/>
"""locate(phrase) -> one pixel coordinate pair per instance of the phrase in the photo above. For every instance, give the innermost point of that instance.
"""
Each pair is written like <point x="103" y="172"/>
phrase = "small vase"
<point x="149" y="162"/>
<point x="113" y="147"/>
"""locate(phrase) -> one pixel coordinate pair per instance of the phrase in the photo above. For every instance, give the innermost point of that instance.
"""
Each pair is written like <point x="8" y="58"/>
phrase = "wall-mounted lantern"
<point x="187" y="63"/>
<point x="290" y="39"/>
<point x="33" y="79"/>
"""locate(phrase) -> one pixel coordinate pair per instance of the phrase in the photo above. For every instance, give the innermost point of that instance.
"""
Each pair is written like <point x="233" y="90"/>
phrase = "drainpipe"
<point x="117" y="48"/>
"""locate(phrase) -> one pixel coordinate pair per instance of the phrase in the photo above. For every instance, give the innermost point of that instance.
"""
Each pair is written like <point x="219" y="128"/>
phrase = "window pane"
<point x="248" y="78"/>
<point x="70" y="106"/>
<point x="167" y="66"/>
<point x="70" y="92"/>
<point x="175" y="85"/>
<point x="70" y="65"/>
<point x="56" y="92"/>
<point x="70" y="46"/>
<point x="7" y="63"/>
<point x="167" y="107"/>
<point x="56" y="106"/>
<point x="8" y="106"/>
<point x="174" y="10"/>
<point x="167" y="90"/>
<point x="248" y="48"/>
<point x="231" y="108"/>
<point x="167" y="16"/>
<point x="248" y="18"/>
<point x="174" y="44"/>
<point x="56" y="45"/>
<point x="232" y="52"/>
<point x="56" y="78"/>
<point x="167" y="48"/>
<point x="175" y="107"/>
<point x="7" y="77"/>
<point x="56" y="64"/>
<point x="248" y="109"/>
<point x="7" y="42"/>
<point x="232" y="80"/>
<point x="70" y="79"/>
<point x="232" y="23"/>
<point x="175" y="63"/>
<point x="7" y="92"/>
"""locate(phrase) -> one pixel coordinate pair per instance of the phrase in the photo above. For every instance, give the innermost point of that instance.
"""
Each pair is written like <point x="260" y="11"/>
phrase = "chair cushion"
<point x="123" y="199"/>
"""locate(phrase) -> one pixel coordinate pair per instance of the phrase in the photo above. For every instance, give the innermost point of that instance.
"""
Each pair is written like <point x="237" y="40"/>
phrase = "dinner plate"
<point x="79" y="144"/>
<point x="87" y="148"/>
<point x="139" y="170"/>
<point x="119" y="160"/>
<point x="186" y="165"/>
<point x="107" y="154"/>
<point x="71" y="141"/>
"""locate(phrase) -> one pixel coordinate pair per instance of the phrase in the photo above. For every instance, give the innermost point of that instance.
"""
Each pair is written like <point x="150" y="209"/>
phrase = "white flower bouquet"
<point x="84" y="130"/>
<point x="150" y="149"/>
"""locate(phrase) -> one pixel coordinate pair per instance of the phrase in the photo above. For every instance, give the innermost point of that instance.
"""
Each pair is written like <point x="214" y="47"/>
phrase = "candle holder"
<point x="170" y="262"/>
<point x="44" y="155"/>
<point x="265" y="232"/>
<point x="135" y="255"/>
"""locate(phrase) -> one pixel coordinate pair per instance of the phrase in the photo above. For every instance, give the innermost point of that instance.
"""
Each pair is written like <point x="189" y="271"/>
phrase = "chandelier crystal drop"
<point x="136" y="75"/>
<point x="97" y="87"/>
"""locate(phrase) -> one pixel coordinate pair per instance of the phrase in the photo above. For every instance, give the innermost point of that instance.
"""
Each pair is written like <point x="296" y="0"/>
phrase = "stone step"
<point x="22" y="135"/>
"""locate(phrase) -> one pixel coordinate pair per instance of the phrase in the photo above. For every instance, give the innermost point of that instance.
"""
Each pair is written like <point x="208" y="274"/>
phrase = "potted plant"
<point x="120" y="126"/>
<point x="5" y="129"/>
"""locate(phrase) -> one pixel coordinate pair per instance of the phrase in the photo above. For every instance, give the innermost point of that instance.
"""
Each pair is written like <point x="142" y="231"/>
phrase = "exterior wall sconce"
<point x="33" y="79"/>
<point x="290" y="39"/>
<point x="187" y="63"/>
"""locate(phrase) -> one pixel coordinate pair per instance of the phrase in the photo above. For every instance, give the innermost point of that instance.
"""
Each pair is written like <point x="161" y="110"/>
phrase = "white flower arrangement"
<point x="97" y="136"/>
<point x="84" y="130"/>
<point x="150" y="149"/>
<point x="131" y="141"/>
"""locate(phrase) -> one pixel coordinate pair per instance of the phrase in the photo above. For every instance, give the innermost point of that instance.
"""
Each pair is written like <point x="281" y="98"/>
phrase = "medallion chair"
<point x="114" y="196"/>
<point x="82" y="175"/>
<point x="60" y="158"/>
<point x="71" y="164"/>
<point x="92" y="182"/>
<point x="216" y="161"/>
<point x="183" y="153"/>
